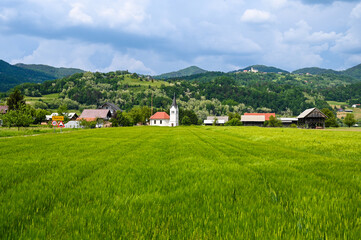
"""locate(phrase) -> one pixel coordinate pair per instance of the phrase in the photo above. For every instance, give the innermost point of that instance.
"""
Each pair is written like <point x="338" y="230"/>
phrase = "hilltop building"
<point x="164" y="120"/>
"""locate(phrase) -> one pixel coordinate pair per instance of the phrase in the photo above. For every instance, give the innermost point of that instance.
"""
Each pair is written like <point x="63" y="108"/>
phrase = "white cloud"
<point x="72" y="53"/>
<point x="7" y="14"/>
<point x="77" y="15"/>
<point x="356" y="11"/>
<point x="128" y="63"/>
<point x="256" y="16"/>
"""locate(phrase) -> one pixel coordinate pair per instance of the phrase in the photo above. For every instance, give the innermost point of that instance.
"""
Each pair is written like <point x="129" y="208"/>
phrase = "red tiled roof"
<point x="4" y="109"/>
<point x="160" y="115"/>
<point x="267" y="115"/>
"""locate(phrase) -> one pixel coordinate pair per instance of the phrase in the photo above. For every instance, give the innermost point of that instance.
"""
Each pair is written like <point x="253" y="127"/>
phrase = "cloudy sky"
<point x="157" y="36"/>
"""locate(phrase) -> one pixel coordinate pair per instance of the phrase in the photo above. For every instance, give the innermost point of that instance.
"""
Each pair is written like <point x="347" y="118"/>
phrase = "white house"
<point x="160" y="119"/>
<point x="164" y="120"/>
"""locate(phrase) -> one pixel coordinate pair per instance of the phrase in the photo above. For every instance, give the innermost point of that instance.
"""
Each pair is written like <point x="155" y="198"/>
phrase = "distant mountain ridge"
<point x="182" y="73"/>
<point x="52" y="71"/>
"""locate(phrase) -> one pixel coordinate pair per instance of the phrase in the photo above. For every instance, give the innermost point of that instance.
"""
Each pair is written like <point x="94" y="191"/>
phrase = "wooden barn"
<point x="312" y="118"/>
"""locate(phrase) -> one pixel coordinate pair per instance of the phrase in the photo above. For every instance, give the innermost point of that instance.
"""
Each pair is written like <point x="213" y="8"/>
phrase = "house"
<point x="348" y="110"/>
<point x="72" y="124"/>
<point x="4" y="109"/>
<point x="356" y="105"/>
<point x="220" y="120"/>
<point x="253" y="120"/>
<point x="72" y="116"/>
<point x="286" y="122"/>
<point x="95" y="114"/>
<point x="312" y="118"/>
<point x="112" y="107"/>
<point x="49" y="117"/>
<point x="163" y="119"/>
<point x="160" y="119"/>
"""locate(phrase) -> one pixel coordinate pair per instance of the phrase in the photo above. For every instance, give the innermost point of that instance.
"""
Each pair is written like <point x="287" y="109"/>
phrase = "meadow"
<point x="181" y="183"/>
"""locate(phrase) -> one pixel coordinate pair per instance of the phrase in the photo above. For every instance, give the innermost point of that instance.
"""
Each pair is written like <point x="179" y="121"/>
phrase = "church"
<point x="164" y="120"/>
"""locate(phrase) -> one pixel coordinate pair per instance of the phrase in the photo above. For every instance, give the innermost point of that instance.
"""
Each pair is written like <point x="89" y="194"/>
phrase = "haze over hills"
<point x="52" y="71"/>
<point x="13" y="75"/>
<point x="182" y="73"/>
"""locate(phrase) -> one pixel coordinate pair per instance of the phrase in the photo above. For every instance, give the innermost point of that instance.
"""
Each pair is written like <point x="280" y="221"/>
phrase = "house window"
<point x="155" y="121"/>
<point x="160" y="121"/>
<point x="172" y="112"/>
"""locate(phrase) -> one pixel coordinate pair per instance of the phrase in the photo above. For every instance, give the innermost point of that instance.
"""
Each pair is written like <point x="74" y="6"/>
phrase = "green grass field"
<point x="181" y="183"/>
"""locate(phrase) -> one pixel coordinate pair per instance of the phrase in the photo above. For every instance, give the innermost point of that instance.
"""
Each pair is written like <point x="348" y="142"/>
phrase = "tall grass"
<point x="182" y="183"/>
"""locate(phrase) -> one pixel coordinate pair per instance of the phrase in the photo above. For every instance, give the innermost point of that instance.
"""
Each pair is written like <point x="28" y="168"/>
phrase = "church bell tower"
<point x="174" y="114"/>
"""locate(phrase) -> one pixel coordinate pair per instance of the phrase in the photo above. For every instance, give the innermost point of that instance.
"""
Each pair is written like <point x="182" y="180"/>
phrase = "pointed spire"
<point x="174" y="102"/>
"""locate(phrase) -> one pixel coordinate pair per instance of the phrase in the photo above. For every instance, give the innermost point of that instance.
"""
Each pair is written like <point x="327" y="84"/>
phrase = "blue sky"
<point x="157" y="36"/>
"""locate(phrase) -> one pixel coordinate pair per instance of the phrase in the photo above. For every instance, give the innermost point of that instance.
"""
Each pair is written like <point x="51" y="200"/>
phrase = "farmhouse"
<point x="164" y="120"/>
<point x="112" y="107"/>
<point x="312" y="118"/>
<point x="71" y="116"/>
<point x="220" y="120"/>
<point x="4" y="109"/>
<point x="253" y="120"/>
<point x="95" y="114"/>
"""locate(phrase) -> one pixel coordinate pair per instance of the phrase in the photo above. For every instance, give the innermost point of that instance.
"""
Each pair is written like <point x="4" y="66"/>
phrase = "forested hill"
<point x="211" y="93"/>
<point x="11" y="76"/>
<point x="315" y="71"/>
<point x="182" y="73"/>
<point x="354" y="72"/>
<point x="52" y="71"/>
<point x="263" y="68"/>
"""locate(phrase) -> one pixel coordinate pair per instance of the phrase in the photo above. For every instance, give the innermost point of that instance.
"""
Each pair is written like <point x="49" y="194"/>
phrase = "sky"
<point x="158" y="36"/>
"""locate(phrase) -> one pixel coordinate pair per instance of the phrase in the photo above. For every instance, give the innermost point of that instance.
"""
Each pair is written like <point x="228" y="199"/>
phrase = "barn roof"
<point x="112" y="105"/>
<point x="160" y="115"/>
<point x="253" y="118"/>
<point x="95" y="113"/>
<point x="307" y="112"/>
<point x="267" y="115"/>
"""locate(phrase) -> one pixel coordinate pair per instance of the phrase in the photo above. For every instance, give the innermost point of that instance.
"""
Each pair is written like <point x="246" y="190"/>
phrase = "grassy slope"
<point x="186" y="182"/>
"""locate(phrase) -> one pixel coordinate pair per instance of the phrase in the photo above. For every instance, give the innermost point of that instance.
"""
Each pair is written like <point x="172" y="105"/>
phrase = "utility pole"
<point x="151" y="106"/>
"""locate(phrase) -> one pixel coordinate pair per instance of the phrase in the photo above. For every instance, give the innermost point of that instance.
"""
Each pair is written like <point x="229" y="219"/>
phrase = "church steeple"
<point x="174" y="102"/>
<point x="174" y="113"/>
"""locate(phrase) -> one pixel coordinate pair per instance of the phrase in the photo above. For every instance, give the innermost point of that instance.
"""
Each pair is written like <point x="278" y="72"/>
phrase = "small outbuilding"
<point x="286" y="122"/>
<point x="219" y="120"/>
<point x="312" y="118"/>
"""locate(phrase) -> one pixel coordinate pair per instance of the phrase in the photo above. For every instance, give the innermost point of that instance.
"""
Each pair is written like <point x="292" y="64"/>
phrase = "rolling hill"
<point x="354" y="72"/>
<point x="53" y="71"/>
<point x="11" y="76"/>
<point x="315" y="71"/>
<point x="182" y="73"/>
